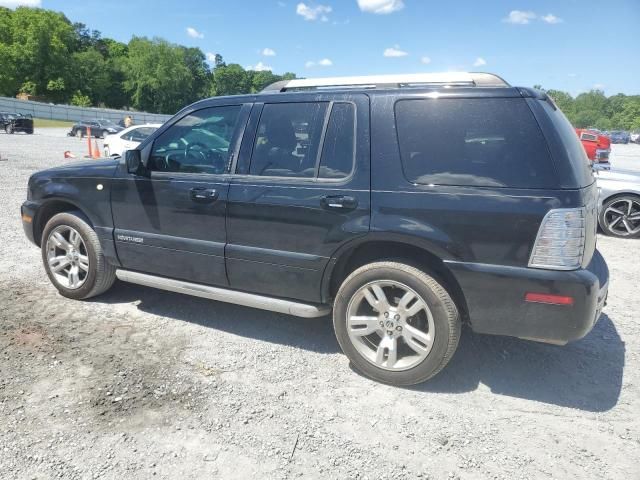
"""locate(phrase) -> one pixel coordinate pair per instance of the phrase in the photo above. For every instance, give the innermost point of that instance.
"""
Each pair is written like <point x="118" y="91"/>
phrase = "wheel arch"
<point x="372" y="249"/>
<point x="52" y="207"/>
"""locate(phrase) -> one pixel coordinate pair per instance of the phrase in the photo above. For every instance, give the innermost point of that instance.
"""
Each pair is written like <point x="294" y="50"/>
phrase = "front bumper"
<point x="28" y="212"/>
<point x="495" y="298"/>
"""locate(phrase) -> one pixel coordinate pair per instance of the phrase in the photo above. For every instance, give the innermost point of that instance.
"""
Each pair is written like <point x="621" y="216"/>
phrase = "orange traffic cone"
<point x="96" y="150"/>
<point x="68" y="154"/>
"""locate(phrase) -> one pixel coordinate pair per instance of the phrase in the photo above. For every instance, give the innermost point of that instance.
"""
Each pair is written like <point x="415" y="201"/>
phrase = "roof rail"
<point x="445" y="79"/>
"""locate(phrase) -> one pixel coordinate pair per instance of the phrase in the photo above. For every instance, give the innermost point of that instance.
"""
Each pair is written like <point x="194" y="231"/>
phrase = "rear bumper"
<point x="495" y="297"/>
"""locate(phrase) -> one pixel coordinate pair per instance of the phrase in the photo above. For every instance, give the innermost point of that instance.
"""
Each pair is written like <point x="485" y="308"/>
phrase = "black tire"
<point x="445" y="315"/>
<point x="606" y="218"/>
<point x="101" y="274"/>
<point x="9" y="128"/>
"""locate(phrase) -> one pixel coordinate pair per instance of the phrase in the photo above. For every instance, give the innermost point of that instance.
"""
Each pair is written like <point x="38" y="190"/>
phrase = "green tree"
<point x="230" y="79"/>
<point x="40" y="42"/>
<point x="91" y="75"/>
<point x="80" y="100"/>
<point x="157" y="77"/>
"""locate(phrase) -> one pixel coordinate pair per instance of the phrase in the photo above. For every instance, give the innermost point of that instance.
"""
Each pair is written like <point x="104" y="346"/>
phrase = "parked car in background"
<point x="619" y="200"/>
<point x="16" y="122"/>
<point x="99" y="128"/>
<point x="419" y="202"/>
<point x="597" y="146"/>
<point x="635" y="136"/>
<point x="128" y="139"/>
<point x="619" y="136"/>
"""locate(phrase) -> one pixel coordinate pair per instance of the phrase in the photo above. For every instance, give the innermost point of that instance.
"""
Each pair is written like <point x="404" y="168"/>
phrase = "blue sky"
<point x="569" y="44"/>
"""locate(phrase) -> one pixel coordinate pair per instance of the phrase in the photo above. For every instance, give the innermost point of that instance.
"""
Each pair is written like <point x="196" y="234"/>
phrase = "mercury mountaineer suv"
<point x="407" y="205"/>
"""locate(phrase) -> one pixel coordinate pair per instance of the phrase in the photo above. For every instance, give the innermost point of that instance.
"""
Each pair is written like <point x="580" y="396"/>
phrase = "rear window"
<point x="485" y="142"/>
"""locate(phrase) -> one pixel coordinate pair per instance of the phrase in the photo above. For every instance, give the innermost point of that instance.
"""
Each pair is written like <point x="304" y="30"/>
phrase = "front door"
<point x="171" y="220"/>
<point x="301" y="190"/>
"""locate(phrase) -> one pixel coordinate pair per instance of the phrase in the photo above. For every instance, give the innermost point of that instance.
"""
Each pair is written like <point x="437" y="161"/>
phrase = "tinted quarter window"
<point x="287" y="139"/>
<point x="571" y="142"/>
<point x="339" y="142"/>
<point x="487" y="142"/>
<point x="197" y="143"/>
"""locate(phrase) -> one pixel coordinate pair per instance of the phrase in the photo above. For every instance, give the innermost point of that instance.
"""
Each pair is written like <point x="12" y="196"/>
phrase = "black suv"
<point x="16" y="122"/>
<point x="408" y="205"/>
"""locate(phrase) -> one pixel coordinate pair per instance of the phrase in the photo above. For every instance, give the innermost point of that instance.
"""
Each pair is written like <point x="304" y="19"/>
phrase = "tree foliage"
<point x="594" y="109"/>
<point x="42" y="53"/>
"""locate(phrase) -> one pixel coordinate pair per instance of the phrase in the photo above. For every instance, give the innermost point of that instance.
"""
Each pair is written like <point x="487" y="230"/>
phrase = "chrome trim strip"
<point x="224" y="295"/>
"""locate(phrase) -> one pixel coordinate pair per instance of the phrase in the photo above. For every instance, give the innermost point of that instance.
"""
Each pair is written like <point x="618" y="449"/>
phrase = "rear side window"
<point x="288" y="139"/>
<point x="571" y="142"/>
<point x="339" y="142"/>
<point x="485" y="142"/>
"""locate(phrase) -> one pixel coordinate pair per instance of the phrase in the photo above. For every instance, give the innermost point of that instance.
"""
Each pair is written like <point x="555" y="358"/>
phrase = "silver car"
<point x="619" y="202"/>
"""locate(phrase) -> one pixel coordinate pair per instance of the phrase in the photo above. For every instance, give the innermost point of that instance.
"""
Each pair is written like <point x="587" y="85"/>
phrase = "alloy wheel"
<point x="67" y="257"/>
<point x="390" y="325"/>
<point x="622" y="216"/>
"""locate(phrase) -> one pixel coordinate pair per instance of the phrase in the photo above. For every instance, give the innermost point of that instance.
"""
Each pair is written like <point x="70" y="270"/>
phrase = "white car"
<point x="128" y="139"/>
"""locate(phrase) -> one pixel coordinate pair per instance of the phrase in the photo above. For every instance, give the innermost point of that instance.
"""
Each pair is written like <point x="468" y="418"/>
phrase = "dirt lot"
<point x="139" y="382"/>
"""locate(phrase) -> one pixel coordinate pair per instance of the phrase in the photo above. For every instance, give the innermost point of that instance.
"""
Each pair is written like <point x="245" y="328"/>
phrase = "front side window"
<point x="198" y="143"/>
<point x="486" y="142"/>
<point x="287" y="139"/>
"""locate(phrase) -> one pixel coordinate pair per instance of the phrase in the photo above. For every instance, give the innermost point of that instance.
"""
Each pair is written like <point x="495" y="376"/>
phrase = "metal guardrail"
<point x="71" y="113"/>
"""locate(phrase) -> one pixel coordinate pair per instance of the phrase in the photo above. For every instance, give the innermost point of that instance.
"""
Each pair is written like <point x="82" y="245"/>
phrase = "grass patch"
<point x="44" y="123"/>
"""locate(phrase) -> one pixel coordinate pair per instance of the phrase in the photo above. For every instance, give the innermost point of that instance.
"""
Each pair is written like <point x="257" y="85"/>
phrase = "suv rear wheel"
<point x="73" y="257"/>
<point x="395" y="323"/>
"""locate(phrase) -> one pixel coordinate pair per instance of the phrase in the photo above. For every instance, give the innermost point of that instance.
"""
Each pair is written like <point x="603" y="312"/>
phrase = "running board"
<point x="223" y="295"/>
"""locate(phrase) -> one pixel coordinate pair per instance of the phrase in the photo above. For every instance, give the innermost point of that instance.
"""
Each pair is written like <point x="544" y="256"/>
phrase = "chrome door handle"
<point x="339" y="202"/>
<point x="204" y="195"/>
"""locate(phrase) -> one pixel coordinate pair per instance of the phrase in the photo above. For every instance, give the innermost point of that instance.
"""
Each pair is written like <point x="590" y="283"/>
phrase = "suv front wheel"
<point x="395" y="323"/>
<point x="73" y="257"/>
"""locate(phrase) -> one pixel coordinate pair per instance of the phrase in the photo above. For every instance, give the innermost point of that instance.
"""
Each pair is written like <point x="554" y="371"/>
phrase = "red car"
<point x="597" y="146"/>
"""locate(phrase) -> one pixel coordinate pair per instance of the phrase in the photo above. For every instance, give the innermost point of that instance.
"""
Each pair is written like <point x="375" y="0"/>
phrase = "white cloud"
<point x="325" y="62"/>
<point x="519" y="17"/>
<point x="269" y="52"/>
<point x="380" y="7"/>
<point x="598" y="86"/>
<point x="20" y="3"/>
<point x="259" y="67"/>
<point x="551" y="18"/>
<point x="479" y="62"/>
<point x="426" y="60"/>
<point x="193" y="33"/>
<point x="211" y="57"/>
<point x="311" y="12"/>
<point x="394" y="51"/>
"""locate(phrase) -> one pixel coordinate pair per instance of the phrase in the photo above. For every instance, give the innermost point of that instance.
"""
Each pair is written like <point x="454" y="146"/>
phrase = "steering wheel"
<point x="202" y="153"/>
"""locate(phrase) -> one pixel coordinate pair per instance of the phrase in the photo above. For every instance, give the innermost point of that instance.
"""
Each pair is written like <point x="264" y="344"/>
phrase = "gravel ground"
<point x="140" y="382"/>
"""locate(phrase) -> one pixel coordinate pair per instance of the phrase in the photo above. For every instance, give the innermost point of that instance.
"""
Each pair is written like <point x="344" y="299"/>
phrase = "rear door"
<point x="301" y="190"/>
<point x="172" y="221"/>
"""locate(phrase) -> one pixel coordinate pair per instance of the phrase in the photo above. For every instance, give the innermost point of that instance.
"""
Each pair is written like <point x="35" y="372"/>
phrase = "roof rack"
<point x="444" y="79"/>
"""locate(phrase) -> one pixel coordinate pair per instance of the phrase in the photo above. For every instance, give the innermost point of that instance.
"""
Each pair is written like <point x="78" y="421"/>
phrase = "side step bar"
<point x="223" y="295"/>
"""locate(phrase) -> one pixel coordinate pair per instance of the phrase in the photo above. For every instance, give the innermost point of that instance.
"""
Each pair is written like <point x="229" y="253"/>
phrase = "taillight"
<point x="560" y="241"/>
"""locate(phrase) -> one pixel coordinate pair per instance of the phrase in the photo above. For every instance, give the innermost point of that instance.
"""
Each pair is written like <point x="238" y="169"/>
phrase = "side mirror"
<point x="134" y="161"/>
